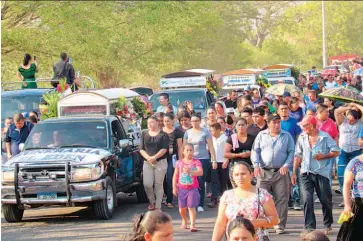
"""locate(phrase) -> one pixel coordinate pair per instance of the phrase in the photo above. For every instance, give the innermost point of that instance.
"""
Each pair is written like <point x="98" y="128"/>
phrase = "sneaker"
<point x="297" y="206"/>
<point x="341" y="205"/>
<point x="279" y="231"/>
<point x="317" y="200"/>
<point x="200" y="209"/>
<point x="338" y="191"/>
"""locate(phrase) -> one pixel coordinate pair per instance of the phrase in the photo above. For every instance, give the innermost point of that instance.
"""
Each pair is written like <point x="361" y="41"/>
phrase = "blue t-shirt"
<point x="356" y="167"/>
<point x="290" y="125"/>
<point x="199" y="140"/>
<point x="298" y="114"/>
<point x="15" y="136"/>
<point x="360" y="134"/>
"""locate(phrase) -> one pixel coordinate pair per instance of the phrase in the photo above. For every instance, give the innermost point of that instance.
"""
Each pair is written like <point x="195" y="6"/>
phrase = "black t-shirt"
<point x="153" y="144"/>
<point x="254" y="129"/>
<point x="242" y="147"/>
<point x="231" y="104"/>
<point x="173" y="137"/>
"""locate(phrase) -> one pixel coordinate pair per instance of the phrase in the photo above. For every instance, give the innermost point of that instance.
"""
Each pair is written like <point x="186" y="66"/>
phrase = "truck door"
<point x="125" y="172"/>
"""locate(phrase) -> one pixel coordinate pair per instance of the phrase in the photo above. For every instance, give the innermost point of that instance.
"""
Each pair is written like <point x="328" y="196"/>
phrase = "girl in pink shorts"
<point x="185" y="186"/>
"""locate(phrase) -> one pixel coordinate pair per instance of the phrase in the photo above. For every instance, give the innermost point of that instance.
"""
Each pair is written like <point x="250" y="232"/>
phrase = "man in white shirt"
<point x="330" y="83"/>
<point x="219" y="172"/>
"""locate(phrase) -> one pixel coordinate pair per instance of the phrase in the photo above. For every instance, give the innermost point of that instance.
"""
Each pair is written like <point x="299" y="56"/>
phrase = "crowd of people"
<point x="255" y="157"/>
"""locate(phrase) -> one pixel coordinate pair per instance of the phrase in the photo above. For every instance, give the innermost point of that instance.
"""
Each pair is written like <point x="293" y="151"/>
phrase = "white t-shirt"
<point x="218" y="144"/>
<point x="329" y="85"/>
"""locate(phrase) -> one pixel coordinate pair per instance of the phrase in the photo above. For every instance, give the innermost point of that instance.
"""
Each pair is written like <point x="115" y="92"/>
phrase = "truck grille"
<point x="41" y="173"/>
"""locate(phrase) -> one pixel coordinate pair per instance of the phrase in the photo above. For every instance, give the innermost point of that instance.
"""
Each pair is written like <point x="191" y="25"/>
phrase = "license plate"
<point x="47" y="195"/>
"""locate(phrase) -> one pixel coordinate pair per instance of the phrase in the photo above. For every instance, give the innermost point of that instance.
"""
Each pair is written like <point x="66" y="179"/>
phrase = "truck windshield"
<point x="72" y="133"/>
<point x="15" y="104"/>
<point x="177" y="98"/>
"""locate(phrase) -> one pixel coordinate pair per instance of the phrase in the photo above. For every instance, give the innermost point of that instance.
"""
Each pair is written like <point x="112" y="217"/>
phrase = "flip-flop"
<point x="193" y="229"/>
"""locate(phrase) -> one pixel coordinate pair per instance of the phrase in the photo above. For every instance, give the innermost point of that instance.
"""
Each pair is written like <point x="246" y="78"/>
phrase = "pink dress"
<point x="248" y="207"/>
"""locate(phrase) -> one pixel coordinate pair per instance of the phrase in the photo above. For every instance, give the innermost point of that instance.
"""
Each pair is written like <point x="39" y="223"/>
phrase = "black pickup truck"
<point x="72" y="161"/>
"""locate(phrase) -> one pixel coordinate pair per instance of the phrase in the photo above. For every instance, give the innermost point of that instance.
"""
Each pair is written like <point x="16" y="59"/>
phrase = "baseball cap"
<point x="273" y="117"/>
<point x="308" y="120"/>
<point x="286" y="94"/>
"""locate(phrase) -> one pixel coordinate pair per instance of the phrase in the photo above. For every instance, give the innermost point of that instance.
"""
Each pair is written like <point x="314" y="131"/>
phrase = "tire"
<point x="141" y="194"/>
<point x="12" y="213"/>
<point x="105" y="208"/>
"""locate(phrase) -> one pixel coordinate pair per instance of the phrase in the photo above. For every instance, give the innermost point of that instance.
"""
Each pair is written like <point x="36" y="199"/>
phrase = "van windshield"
<point x="19" y="104"/>
<point x="178" y="98"/>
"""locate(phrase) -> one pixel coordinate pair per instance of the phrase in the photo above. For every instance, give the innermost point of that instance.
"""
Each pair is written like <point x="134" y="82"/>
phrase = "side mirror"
<point x="123" y="143"/>
<point x="21" y="146"/>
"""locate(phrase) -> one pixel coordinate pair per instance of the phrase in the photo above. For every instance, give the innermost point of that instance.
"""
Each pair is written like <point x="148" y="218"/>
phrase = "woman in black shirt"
<point x="174" y="151"/>
<point x="154" y="144"/>
<point x="238" y="146"/>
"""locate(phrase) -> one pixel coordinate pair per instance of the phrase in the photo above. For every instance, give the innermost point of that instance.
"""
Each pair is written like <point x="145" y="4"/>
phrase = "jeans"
<point x="219" y="181"/>
<point x="321" y="184"/>
<point x="169" y="181"/>
<point x="295" y="189"/>
<point x="205" y="165"/>
<point x="342" y="162"/>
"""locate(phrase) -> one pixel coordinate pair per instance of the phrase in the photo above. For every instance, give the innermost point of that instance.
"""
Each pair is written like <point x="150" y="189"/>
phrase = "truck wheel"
<point x="141" y="194"/>
<point x="104" y="208"/>
<point x="12" y="213"/>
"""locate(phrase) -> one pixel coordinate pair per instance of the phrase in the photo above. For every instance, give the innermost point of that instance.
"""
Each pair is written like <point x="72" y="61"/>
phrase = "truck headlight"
<point x="90" y="172"/>
<point x="7" y="175"/>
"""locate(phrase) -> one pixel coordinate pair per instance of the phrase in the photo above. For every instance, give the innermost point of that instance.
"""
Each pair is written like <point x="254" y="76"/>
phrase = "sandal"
<point x="169" y="205"/>
<point x="151" y="207"/>
<point x="193" y="229"/>
<point x="328" y="231"/>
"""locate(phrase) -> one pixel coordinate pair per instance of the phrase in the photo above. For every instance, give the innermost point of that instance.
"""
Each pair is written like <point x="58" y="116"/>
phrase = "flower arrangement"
<point x="263" y="82"/>
<point x="212" y="86"/>
<point x="50" y="110"/>
<point x="62" y="86"/>
<point x="125" y="109"/>
<point x="143" y="109"/>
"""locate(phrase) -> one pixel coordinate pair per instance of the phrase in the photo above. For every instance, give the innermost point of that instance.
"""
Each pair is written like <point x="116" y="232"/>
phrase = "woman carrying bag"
<point x="351" y="230"/>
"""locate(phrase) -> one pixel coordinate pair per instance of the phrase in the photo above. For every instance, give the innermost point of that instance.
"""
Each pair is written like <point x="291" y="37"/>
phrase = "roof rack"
<point x="86" y="83"/>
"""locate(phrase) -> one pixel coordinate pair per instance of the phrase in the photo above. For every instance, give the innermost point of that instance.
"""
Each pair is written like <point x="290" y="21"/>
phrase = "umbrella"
<point x="279" y="89"/>
<point x="344" y="94"/>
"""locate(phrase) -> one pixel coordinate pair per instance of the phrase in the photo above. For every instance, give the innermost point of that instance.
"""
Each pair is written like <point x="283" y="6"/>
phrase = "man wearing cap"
<point x="272" y="155"/>
<point x="286" y="97"/>
<point x="314" y="151"/>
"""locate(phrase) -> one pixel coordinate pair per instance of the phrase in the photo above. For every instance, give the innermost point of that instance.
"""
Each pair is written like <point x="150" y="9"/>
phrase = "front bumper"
<point x="79" y="192"/>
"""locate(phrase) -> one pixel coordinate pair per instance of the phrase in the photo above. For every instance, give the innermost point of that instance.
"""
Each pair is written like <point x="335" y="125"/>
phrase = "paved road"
<point x="68" y="224"/>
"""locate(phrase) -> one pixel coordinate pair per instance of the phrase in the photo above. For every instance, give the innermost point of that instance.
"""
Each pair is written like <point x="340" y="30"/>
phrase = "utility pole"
<point x="324" y="37"/>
